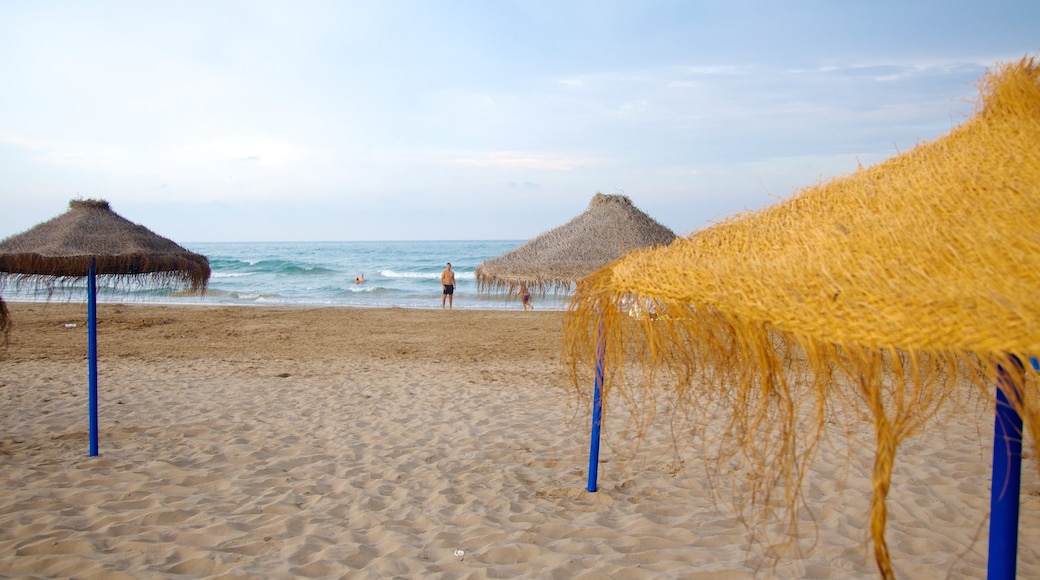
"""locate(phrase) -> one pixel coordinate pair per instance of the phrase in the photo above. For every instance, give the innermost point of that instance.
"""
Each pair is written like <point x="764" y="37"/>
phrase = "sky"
<point x="304" y="120"/>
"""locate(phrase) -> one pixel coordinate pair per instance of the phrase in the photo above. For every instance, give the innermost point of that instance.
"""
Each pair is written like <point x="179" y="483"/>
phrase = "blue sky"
<point x="412" y="120"/>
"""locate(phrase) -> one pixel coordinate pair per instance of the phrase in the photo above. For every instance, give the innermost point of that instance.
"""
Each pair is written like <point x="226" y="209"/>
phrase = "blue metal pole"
<point x="92" y="355"/>
<point x="597" y="411"/>
<point x="1007" y="479"/>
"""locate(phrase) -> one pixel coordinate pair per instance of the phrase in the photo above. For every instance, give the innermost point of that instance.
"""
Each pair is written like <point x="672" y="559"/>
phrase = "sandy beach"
<point x="252" y="442"/>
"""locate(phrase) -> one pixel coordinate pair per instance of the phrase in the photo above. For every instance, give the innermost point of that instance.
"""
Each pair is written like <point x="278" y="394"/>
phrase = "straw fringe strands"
<point x="5" y="321"/>
<point x="885" y="293"/>
<point x="556" y="259"/>
<point x="61" y="249"/>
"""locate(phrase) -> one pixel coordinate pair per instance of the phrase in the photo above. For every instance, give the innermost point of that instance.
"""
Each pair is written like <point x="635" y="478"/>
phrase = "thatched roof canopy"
<point x="63" y="247"/>
<point x="886" y="292"/>
<point x="559" y="257"/>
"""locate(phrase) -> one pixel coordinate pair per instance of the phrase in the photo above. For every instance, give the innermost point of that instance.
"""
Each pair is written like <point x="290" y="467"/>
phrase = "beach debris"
<point x="70" y="325"/>
<point x="460" y="554"/>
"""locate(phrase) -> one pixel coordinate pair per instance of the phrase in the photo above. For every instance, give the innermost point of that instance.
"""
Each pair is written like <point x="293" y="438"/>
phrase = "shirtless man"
<point x="448" y="281"/>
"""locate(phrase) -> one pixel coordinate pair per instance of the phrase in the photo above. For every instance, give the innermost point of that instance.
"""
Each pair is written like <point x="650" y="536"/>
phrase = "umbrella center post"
<point x="1002" y="561"/>
<point x="597" y="410"/>
<point x="92" y="395"/>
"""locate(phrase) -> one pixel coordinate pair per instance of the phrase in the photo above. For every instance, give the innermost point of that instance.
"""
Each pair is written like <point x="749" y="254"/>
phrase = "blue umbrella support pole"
<point x="597" y="411"/>
<point x="92" y="395"/>
<point x="1002" y="562"/>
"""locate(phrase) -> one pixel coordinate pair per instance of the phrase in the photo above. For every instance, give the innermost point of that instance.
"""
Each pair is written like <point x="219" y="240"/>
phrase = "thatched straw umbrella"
<point x="558" y="258"/>
<point x="90" y="239"/>
<point x="889" y="292"/>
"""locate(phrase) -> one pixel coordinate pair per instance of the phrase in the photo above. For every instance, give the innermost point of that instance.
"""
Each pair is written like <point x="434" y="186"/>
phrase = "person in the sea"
<point x="448" y="281"/>
<point x="360" y="278"/>
<point x="525" y="297"/>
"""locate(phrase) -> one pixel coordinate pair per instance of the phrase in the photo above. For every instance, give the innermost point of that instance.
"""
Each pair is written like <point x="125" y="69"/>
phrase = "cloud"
<point x="268" y="151"/>
<point x="527" y="185"/>
<point x="521" y="160"/>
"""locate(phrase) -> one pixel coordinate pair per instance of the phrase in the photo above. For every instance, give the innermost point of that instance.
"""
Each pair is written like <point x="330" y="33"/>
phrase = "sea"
<point x="403" y="274"/>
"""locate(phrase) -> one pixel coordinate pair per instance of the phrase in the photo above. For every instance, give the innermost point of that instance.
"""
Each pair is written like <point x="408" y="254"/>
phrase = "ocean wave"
<point x="228" y="267"/>
<point x="367" y="289"/>
<point x="392" y="274"/>
<point x="231" y="274"/>
<point x="425" y="275"/>
<point x="304" y="270"/>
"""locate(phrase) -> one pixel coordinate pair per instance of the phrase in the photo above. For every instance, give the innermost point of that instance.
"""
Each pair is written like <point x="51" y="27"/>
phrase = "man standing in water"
<point x="448" y="281"/>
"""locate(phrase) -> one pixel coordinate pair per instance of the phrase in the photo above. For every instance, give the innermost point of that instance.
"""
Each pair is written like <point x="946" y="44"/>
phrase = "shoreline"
<point x="549" y="304"/>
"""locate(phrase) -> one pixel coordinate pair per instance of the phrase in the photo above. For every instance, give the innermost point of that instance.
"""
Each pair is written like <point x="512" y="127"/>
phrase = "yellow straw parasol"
<point x="887" y="291"/>
<point x="556" y="259"/>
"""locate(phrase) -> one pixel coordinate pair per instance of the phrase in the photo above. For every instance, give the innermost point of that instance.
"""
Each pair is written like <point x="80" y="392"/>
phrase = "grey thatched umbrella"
<point x="610" y="227"/>
<point x="87" y="240"/>
<point x="558" y="258"/>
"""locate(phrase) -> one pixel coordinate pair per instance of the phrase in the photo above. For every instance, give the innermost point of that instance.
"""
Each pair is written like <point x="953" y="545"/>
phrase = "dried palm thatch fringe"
<point x="555" y="259"/>
<point x="887" y="292"/>
<point x="5" y="321"/>
<point x="62" y="248"/>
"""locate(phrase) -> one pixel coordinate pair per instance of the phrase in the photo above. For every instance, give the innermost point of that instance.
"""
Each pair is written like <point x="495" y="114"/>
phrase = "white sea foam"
<point x="426" y="275"/>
